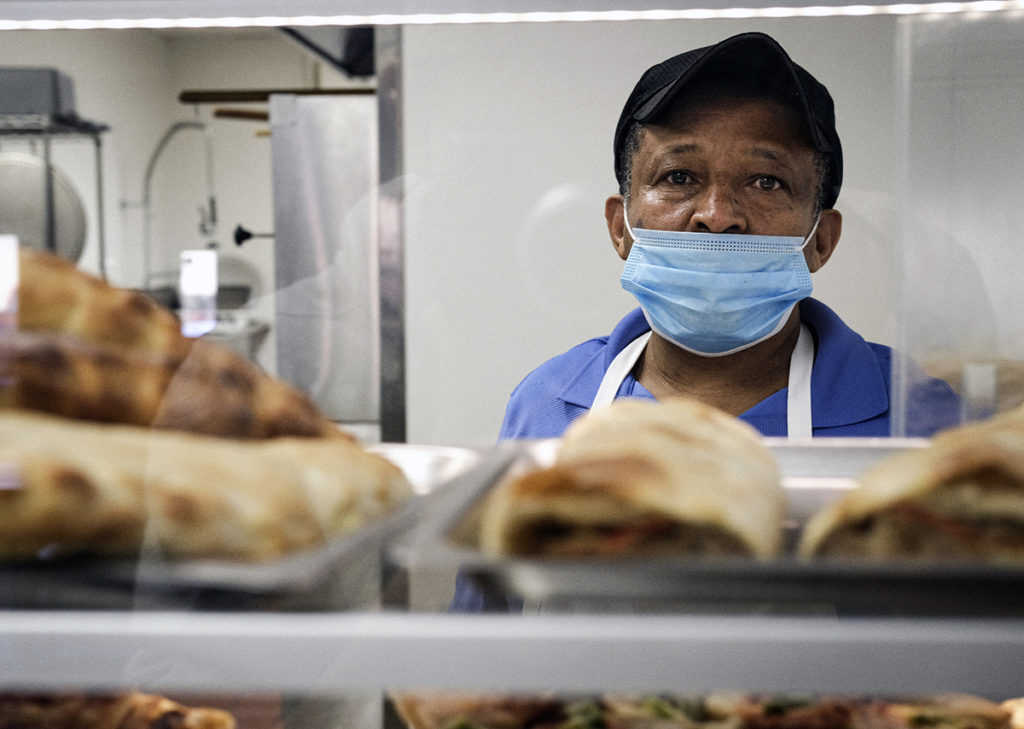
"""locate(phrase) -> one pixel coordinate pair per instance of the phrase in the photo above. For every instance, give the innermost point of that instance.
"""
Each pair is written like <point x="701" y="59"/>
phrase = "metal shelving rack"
<point x="46" y="129"/>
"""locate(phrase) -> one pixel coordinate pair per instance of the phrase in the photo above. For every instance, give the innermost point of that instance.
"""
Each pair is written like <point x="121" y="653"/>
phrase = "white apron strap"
<point x="621" y="366"/>
<point x="798" y="401"/>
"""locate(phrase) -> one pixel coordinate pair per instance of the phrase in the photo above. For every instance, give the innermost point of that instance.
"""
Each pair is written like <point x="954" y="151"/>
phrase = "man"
<point x="737" y="144"/>
<point x="729" y="167"/>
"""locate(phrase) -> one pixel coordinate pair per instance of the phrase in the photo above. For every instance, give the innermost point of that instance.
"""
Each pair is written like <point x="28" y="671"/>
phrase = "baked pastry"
<point x="129" y="710"/>
<point x="1015" y="707"/>
<point x="960" y="497"/>
<point x="72" y="487"/>
<point x="210" y="390"/>
<point x="55" y="295"/>
<point x="493" y="711"/>
<point x="643" y="477"/>
<point x="88" y="350"/>
<point x="117" y="432"/>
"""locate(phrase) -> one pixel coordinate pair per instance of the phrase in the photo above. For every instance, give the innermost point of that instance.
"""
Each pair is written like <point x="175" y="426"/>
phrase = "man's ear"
<point x="825" y="240"/>
<point x="615" y="217"/>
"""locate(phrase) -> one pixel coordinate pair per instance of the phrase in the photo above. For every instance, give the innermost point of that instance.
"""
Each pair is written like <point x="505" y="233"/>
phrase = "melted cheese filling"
<point x="652" y="535"/>
<point x="970" y="520"/>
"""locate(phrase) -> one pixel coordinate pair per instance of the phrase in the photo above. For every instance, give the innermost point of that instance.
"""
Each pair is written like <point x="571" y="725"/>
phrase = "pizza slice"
<point x="659" y="711"/>
<point x="454" y="710"/>
<point x="738" y="710"/>
<point x="940" y="711"/>
<point x="129" y="710"/>
<point x="716" y="710"/>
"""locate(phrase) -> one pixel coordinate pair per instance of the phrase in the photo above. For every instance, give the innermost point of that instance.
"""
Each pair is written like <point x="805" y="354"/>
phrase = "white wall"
<point x="130" y="80"/>
<point x="508" y="157"/>
<point x="963" y="255"/>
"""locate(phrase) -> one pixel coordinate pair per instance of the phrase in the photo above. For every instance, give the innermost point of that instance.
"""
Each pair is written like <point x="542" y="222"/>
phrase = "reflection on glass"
<point x="197" y="287"/>
<point x="8" y="283"/>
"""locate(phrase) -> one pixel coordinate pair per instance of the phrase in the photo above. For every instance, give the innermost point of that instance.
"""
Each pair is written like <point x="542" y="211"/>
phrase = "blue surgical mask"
<point x="714" y="294"/>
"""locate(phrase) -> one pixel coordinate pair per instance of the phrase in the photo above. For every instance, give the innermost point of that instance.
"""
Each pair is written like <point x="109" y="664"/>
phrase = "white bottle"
<point x="8" y="283"/>
<point x="197" y="290"/>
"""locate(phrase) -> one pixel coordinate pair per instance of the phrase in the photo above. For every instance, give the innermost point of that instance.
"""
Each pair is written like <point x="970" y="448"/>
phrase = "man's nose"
<point x="717" y="210"/>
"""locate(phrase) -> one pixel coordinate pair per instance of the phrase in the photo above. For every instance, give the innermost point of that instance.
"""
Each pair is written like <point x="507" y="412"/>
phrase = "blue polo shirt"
<point x="851" y="391"/>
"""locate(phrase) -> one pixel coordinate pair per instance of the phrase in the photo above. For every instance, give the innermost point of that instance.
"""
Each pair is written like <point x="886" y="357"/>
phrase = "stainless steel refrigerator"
<point x="327" y="273"/>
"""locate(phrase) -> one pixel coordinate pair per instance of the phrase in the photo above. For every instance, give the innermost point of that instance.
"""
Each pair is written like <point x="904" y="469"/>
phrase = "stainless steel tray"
<point x="814" y="473"/>
<point x="345" y="573"/>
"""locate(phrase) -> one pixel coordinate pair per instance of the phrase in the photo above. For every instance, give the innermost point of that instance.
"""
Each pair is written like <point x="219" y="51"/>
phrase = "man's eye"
<point x="678" y="177"/>
<point x="769" y="182"/>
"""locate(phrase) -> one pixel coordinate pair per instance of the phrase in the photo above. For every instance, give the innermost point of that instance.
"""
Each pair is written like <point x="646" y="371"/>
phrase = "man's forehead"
<point x="782" y="127"/>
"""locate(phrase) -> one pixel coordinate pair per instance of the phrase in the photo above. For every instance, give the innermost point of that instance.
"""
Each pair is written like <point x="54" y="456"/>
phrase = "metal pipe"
<point x="50" y="219"/>
<point x="208" y="217"/>
<point x="101" y="232"/>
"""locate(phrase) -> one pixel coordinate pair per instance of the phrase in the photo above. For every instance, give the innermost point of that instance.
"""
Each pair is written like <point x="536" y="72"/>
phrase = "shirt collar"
<point x="847" y="384"/>
<point x="581" y="388"/>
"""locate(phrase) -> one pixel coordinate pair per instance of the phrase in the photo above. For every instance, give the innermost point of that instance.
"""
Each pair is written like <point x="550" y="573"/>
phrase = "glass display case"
<point x="494" y="125"/>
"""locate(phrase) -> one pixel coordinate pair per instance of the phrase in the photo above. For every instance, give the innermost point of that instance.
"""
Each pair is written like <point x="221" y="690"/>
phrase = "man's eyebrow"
<point x="773" y="154"/>
<point x="682" y="148"/>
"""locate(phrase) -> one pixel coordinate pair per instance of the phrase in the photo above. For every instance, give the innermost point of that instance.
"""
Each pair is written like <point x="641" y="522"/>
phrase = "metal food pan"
<point x="344" y="573"/>
<point x="813" y="474"/>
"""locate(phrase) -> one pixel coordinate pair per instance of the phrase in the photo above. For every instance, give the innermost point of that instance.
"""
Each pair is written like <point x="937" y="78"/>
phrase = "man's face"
<point x="725" y="166"/>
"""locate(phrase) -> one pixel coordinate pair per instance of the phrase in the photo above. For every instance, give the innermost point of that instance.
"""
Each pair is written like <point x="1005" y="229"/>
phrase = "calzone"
<point x="88" y="350"/>
<point x="960" y="497"/>
<point x="70" y="487"/>
<point x="643" y="477"/>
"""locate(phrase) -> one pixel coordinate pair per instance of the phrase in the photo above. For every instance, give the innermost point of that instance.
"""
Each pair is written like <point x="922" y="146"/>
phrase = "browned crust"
<point x="55" y="295"/>
<point x="92" y="351"/>
<point x="71" y="487"/>
<point x="210" y="390"/>
<point x="131" y="710"/>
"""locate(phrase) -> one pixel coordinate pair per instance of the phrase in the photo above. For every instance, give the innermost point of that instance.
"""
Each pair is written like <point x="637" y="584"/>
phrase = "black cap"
<point x="757" y="58"/>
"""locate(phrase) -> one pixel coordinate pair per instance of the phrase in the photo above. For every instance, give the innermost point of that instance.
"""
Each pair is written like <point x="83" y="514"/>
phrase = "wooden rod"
<point x="248" y="114"/>
<point x="227" y="96"/>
